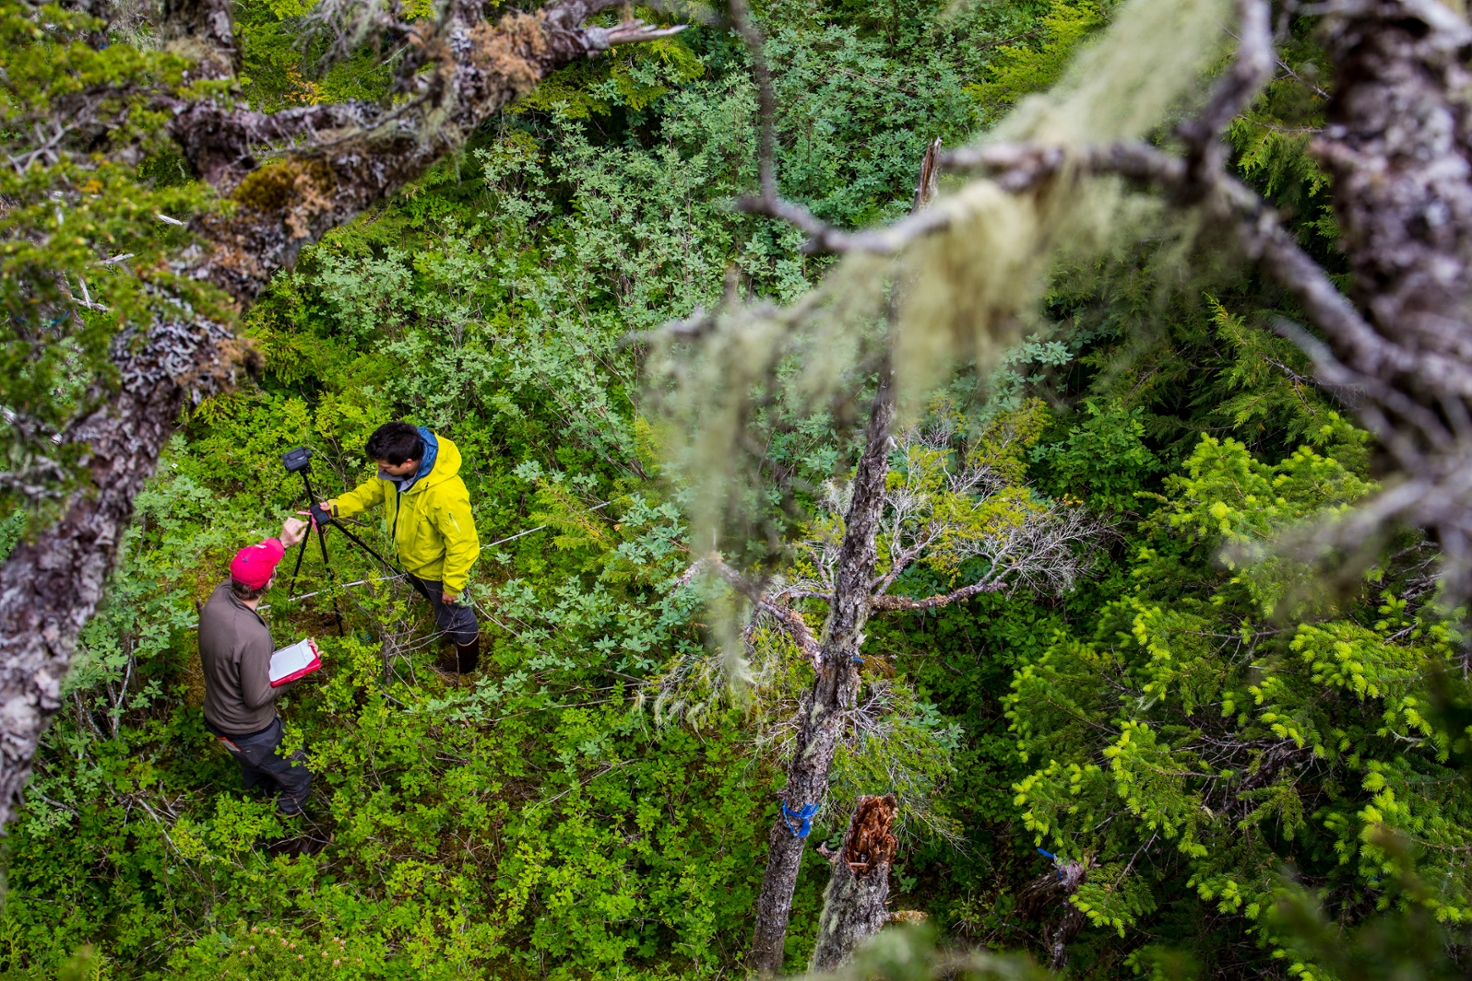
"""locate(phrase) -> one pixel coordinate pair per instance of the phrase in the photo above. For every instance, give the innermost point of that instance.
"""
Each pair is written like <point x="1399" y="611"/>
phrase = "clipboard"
<point x="296" y="661"/>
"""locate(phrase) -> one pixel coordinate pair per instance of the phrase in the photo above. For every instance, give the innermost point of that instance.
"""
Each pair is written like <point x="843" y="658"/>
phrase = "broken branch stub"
<point x="854" y="903"/>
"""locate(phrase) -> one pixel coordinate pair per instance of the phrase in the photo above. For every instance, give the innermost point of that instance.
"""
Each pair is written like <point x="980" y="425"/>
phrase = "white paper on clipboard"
<point x="296" y="661"/>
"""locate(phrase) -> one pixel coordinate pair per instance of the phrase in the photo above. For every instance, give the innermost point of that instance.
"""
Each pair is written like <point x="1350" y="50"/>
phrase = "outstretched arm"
<point x="369" y="493"/>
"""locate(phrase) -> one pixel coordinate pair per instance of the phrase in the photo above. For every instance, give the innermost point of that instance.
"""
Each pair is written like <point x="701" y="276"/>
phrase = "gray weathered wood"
<point x="834" y="689"/>
<point x="854" y="905"/>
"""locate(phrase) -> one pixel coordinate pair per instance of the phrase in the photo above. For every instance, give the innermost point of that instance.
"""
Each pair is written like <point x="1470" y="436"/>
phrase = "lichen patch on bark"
<point x="512" y="50"/>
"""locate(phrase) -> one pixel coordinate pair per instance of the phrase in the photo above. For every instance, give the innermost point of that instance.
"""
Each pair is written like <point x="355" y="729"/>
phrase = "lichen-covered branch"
<point x="1398" y="145"/>
<point x="295" y="174"/>
<point x="50" y="587"/>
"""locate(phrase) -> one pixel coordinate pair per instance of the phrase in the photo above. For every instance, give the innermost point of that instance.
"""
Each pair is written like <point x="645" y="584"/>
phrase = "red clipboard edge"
<point x="313" y="666"/>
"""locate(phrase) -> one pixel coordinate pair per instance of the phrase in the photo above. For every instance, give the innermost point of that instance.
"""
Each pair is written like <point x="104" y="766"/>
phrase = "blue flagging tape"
<point x="805" y="815"/>
<point x="26" y="321"/>
<point x="1057" y="862"/>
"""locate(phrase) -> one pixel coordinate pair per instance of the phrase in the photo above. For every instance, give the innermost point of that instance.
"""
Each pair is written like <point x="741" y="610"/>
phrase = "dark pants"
<point x="457" y="621"/>
<point x="262" y="766"/>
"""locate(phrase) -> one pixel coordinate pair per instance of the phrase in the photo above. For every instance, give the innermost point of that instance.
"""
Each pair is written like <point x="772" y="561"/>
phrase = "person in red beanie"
<point x="235" y="649"/>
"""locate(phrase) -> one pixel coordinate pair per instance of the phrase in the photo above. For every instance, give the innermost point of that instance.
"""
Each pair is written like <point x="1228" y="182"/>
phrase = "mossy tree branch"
<point x="1398" y="146"/>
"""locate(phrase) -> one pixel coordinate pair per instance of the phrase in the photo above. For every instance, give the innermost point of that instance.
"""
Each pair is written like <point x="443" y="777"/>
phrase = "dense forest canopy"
<point x="1182" y="743"/>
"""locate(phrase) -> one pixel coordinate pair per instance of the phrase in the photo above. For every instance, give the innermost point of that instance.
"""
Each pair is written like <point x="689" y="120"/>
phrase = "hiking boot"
<point x="467" y="656"/>
<point x="449" y="669"/>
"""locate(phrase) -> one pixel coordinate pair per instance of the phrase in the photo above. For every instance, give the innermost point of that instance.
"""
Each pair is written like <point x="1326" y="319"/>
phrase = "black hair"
<point x="248" y="593"/>
<point x="395" y="442"/>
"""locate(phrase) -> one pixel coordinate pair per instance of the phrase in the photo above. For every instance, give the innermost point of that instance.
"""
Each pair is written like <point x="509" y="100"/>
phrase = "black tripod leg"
<point x="322" y="541"/>
<point x="300" y="554"/>
<point x="389" y="566"/>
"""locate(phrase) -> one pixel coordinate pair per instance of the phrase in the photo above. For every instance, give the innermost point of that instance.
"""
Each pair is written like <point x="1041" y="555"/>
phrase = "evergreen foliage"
<point x="83" y="250"/>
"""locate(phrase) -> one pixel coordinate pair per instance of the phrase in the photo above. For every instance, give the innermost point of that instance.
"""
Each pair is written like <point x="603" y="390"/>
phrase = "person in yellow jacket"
<point x="427" y="511"/>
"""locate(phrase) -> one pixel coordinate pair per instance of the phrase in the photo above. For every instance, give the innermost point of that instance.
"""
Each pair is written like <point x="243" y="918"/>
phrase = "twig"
<point x="790" y="620"/>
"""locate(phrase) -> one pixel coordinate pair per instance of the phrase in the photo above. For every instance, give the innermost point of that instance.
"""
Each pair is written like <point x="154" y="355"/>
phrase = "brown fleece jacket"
<point x="235" y="650"/>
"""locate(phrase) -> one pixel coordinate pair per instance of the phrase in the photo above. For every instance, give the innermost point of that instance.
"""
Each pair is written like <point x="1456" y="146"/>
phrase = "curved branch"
<point x="296" y="174"/>
<point x="887" y="602"/>
<point x="791" y="621"/>
<point x="1235" y="89"/>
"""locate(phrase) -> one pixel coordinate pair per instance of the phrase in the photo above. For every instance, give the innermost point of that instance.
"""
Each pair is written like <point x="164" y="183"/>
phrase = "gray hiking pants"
<point x="261" y="766"/>
<point x="455" y="620"/>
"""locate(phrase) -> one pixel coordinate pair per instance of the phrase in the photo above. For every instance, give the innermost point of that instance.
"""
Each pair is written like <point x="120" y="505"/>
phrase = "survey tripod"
<point x="299" y="461"/>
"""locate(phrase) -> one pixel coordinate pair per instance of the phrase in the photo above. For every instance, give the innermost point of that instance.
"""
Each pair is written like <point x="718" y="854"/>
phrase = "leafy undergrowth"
<point x="1187" y="728"/>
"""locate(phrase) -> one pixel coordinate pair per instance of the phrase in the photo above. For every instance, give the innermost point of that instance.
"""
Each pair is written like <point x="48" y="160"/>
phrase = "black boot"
<point x="468" y="655"/>
<point x="447" y="663"/>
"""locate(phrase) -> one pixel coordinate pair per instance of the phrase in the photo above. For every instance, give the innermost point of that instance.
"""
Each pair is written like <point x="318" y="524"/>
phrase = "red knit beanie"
<point x="253" y="565"/>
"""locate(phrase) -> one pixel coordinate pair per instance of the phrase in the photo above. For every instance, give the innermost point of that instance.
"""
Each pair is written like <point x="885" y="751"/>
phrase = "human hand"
<point x="292" y="531"/>
<point x="320" y="513"/>
<point x="451" y="596"/>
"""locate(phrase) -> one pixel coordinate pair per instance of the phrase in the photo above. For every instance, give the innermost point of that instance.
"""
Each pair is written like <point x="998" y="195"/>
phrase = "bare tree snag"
<point x="1039" y="900"/>
<point x="854" y="904"/>
<point x="1044" y="548"/>
<point x="834" y="690"/>
<point x="290" y="176"/>
<point x="1039" y="550"/>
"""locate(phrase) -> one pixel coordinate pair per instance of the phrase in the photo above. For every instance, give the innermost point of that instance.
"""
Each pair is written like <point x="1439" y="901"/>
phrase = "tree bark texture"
<point x="1399" y="146"/>
<point x="355" y="154"/>
<point x="330" y="163"/>
<point x="51" y="586"/>
<point x="1040" y="900"/>
<point x="836" y="687"/>
<point x="854" y="904"/>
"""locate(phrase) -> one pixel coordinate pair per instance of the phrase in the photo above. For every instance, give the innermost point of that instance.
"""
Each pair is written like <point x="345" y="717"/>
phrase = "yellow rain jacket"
<point x="430" y="522"/>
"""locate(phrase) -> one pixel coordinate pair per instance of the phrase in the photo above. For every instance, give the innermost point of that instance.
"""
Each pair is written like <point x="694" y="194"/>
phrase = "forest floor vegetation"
<point x="1222" y="735"/>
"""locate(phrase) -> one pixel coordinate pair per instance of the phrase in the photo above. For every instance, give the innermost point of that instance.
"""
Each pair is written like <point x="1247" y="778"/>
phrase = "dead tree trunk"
<point x="834" y="690"/>
<point x="1039" y="900"/>
<point x="854" y="905"/>
<point x="340" y="159"/>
